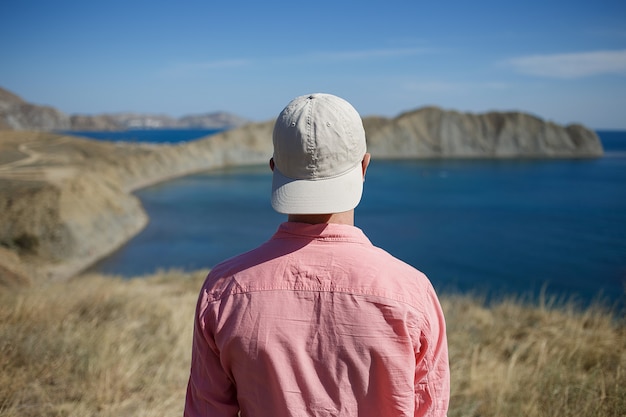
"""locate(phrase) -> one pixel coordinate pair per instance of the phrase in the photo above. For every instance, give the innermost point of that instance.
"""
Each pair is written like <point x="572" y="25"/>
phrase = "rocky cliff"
<point x="431" y="132"/>
<point x="65" y="202"/>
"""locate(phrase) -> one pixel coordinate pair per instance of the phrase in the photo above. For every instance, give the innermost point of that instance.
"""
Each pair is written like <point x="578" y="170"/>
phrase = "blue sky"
<point x="563" y="61"/>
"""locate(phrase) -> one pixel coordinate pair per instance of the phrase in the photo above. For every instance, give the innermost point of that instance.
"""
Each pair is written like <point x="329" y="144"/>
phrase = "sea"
<point x="533" y="229"/>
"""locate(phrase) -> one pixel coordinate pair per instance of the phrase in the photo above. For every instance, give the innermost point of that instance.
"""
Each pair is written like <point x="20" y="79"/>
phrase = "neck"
<point x="346" y="217"/>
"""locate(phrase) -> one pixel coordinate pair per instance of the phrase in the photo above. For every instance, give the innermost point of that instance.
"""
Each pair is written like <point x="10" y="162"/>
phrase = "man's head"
<point x="319" y="147"/>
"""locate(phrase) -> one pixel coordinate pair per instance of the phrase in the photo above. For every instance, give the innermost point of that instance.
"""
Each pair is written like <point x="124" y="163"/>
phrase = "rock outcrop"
<point x="434" y="133"/>
<point x="65" y="202"/>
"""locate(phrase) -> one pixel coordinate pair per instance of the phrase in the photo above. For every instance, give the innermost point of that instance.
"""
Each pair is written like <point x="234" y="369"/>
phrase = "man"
<point x="317" y="321"/>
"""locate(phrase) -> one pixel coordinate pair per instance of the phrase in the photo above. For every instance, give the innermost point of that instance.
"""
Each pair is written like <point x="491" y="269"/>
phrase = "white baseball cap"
<point x="319" y="143"/>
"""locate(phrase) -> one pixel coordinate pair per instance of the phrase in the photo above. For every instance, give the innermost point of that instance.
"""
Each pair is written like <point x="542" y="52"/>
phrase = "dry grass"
<point x="97" y="347"/>
<point x="100" y="346"/>
<point x="515" y="360"/>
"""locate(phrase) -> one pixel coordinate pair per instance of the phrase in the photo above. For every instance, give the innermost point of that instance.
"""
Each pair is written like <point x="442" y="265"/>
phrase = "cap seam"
<point x="310" y="145"/>
<point x="322" y="178"/>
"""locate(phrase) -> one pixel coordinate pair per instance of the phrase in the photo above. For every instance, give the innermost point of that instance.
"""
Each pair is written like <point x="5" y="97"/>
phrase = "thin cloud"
<point x="368" y="54"/>
<point x="188" y="68"/>
<point x="183" y="69"/>
<point x="570" y="66"/>
<point x="433" y="86"/>
<point x="453" y="87"/>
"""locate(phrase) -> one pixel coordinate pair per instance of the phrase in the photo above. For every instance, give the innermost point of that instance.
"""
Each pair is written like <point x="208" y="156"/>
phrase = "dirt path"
<point x="33" y="159"/>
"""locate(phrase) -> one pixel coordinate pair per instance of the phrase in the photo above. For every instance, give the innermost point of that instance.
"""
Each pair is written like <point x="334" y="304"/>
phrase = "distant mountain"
<point x="124" y="121"/>
<point x="211" y="120"/>
<point x="17" y="114"/>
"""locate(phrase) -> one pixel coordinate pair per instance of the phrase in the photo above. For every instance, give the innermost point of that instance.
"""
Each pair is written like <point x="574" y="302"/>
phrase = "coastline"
<point x="79" y="193"/>
<point x="68" y="202"/>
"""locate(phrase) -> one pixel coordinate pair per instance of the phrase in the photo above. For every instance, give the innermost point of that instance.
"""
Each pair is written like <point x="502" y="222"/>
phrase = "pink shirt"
<point x="318" y="322"/>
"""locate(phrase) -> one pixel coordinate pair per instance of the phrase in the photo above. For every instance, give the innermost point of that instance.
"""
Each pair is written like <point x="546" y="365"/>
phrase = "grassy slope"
<point x="102" y="346"/>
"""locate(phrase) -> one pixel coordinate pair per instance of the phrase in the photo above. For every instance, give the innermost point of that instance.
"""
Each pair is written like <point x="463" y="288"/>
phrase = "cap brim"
<point x="331" y="195"/>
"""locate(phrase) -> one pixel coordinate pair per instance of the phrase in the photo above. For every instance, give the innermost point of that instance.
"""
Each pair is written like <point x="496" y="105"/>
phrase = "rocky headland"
<point x="66" y="202"/>
<point x="431" y="132"/>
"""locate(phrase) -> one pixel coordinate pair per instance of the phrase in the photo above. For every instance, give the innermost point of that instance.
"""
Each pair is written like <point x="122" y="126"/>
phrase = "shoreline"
<point x="68" y="202"/>
<point x="86" y="205"/>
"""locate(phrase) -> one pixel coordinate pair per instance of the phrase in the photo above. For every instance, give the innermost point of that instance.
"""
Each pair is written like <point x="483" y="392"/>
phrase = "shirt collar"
<point x="322" y="231"/>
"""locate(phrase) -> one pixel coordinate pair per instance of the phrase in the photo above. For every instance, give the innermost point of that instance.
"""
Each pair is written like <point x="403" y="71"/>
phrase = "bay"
<point x="163" y="136"/>
<point x="491" y="227"/>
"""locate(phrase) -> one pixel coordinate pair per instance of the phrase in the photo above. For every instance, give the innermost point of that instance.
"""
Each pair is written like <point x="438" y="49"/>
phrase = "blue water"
<point x="489" y="227"/>
<point x="146" y="135"/>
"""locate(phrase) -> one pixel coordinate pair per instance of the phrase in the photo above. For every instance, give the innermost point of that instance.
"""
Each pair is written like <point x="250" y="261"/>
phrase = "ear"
<point x="272" y="164"/>
<point x="365" y="163"/>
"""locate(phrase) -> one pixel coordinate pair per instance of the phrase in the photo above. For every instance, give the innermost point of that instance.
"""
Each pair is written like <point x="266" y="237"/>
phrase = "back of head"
<point x="319" y="143"/>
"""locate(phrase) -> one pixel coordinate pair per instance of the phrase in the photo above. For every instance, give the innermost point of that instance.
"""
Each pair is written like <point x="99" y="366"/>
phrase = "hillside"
<point x="65" y="202"/>
<point x="431" y="132"/>
<point x="17" y="114"/>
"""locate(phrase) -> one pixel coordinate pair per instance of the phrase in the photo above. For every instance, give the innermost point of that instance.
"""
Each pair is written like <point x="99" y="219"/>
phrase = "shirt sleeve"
<point x="432" y="372"/>
<point x="210" y="391"/>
